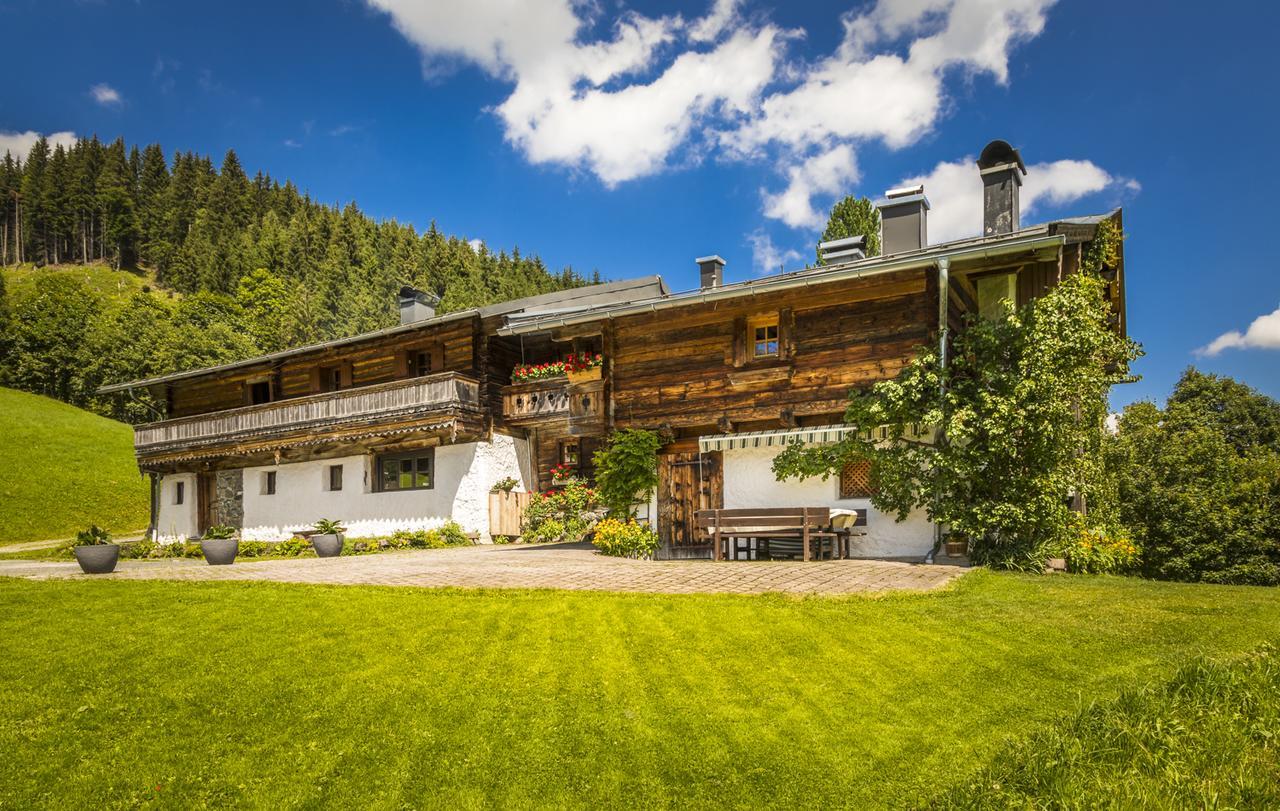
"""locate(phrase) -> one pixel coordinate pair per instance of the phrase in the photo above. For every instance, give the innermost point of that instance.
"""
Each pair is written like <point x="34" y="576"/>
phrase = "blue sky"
<point x="631" y="139"/>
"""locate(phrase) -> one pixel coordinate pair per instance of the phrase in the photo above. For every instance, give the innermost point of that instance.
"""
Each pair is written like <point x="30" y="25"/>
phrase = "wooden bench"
<point x="809" y="528"/>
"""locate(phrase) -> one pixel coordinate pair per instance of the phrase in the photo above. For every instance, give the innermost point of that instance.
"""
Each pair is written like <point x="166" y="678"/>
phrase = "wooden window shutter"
<point x="437" y="357"/>
<point x="402" y="363"/>
<point x="314" y="383"/>
<point x="347" y="374"/>
<point x="740" y="340"/>
<point x="786" y="333"/>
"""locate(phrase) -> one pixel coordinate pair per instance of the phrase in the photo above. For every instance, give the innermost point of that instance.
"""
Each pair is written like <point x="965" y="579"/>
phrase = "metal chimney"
<point x="1002" y="170"/>
<point x="711" y="271"/>
<point x="904" y="220"/>
<point x="416" y="305"/>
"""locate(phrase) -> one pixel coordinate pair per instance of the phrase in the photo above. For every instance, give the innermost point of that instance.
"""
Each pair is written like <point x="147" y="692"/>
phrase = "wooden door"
<point x="206" y="496"/>
<point x="688" y="482"/>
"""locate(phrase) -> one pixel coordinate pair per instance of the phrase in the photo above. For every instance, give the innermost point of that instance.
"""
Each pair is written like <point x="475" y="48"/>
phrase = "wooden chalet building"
<point x="412" y="424"/>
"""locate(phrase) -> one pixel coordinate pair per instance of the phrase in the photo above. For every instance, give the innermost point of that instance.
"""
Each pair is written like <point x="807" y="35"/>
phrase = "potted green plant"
<point x="219" y="545"/>
<point x="957" y="545"/>
<point x="95" y="552"/>
<point x="328" y="538"/>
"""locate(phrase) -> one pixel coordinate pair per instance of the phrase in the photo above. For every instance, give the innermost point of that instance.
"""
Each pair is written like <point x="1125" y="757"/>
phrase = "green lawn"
<point x="1209" y="738"/>
<point x="118" y="693"/>
<point x="64" y="468"/>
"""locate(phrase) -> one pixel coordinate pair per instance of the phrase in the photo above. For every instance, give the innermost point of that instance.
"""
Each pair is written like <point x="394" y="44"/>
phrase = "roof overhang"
<point x="865" y="268"/>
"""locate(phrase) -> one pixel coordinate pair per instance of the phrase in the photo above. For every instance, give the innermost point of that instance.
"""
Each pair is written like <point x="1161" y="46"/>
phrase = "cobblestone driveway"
<point x="554" y="567"/>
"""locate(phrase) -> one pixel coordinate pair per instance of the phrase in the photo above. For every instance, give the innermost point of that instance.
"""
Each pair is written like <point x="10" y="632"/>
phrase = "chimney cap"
<point x="859" y="241"/>
<point x="900" y="197"/>
<point x="702" y="260"/>
<point x="904" y="191"/>
<point x="1000" y="153"/>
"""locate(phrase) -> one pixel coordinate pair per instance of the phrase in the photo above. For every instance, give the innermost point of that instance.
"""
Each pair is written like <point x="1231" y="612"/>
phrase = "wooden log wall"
<point x="680" y="367"/>
<point x="376" y="361"/>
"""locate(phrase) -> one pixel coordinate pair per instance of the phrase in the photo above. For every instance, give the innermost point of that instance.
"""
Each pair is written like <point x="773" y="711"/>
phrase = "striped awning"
<point x="815" y="435"/>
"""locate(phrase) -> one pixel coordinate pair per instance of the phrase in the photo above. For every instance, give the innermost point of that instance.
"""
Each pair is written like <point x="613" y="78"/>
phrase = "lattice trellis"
<point x="855" y="480"/>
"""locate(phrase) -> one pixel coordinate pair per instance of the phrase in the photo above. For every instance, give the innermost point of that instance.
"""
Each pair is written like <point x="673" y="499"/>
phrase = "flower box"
<point x="584" y="376"/>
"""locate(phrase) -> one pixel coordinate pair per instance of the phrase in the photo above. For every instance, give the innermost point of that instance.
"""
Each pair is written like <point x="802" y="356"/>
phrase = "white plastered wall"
<point x="464" y="474"/>
<point x="749" y="482"/>
<point x="177" y="520"/>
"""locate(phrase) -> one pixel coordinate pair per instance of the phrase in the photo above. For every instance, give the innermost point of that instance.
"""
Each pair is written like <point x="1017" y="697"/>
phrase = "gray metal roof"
<point x="574" y="299"/>
<point x="523" y="323"/>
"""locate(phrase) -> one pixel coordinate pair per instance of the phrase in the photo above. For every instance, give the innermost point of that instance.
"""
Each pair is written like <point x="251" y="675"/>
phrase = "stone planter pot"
<point x="585" y="376"/>
<point x="98" y="559"/>
<point x="220" y="551"/>
<point x="327" y="546"/>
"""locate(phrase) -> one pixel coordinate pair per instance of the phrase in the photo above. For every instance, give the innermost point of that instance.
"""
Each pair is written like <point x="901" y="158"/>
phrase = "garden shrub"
<point x="566" y="514"/>
<point x="293" y="547"/>
<point x="1100" y="551"/>
<point x="625" y="539"/>
<point x="1198" y="483"/>
<point x="450" y="534"/>
<point x="627" y="470"/>
<point x="254" y="549"/>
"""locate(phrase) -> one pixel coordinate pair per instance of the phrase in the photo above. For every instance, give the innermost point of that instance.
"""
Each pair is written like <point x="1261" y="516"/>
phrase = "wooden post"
<point x="715" y="541"/>
<point x="804" y="516"/>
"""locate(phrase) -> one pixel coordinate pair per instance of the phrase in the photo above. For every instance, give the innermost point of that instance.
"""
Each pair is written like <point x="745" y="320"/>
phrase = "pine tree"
<point x="155" y="249"/>
<point x="34" y="190"/>
<point x="116" y="202"/>
<point x="10" y="189"/>
<point x="853" y="217"/>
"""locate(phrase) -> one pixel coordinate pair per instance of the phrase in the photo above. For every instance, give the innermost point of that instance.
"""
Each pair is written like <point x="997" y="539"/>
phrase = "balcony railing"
<point x="536" y="401"/>
<point x="380" y="403"/>
<point x="580" y="405"/>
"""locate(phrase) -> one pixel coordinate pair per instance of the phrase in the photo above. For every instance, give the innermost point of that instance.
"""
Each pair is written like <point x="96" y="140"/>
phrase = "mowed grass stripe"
<point x="288" y="696"/>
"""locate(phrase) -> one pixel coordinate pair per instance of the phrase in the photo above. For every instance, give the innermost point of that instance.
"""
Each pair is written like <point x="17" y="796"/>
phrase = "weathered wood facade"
<point x="771" y="354"/>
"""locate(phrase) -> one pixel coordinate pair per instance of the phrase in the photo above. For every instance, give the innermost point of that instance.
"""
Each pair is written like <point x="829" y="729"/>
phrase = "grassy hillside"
<point x="64" y="469"/>
<point x="104" y="280"/>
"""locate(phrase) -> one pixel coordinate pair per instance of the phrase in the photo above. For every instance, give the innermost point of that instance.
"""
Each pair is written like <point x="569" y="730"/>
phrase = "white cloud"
<point x="476" y="244"/>
<point x="954" y="189"/>
<point x="292" y="143"/>
<point x="721" y="17"/>
<point x="595" y="104"/>
<point x="657" y="91"/>
<point x="769" y="258"/>
<point x="1263" y="333"/>
<point x="19" y="144"/>
<point x="106" y="95"/>
<point x="826" y="173"/>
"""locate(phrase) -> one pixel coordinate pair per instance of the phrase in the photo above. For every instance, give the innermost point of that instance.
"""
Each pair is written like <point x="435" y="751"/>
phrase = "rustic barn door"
<point x="206" y="497"/>
<point x="688" y="482"/>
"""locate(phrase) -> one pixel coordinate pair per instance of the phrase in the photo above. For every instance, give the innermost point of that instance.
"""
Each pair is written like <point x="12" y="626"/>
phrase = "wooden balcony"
<point x="536" y="401"/>
<point x="580" y="407"/>
<point x="400" y="401"/>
